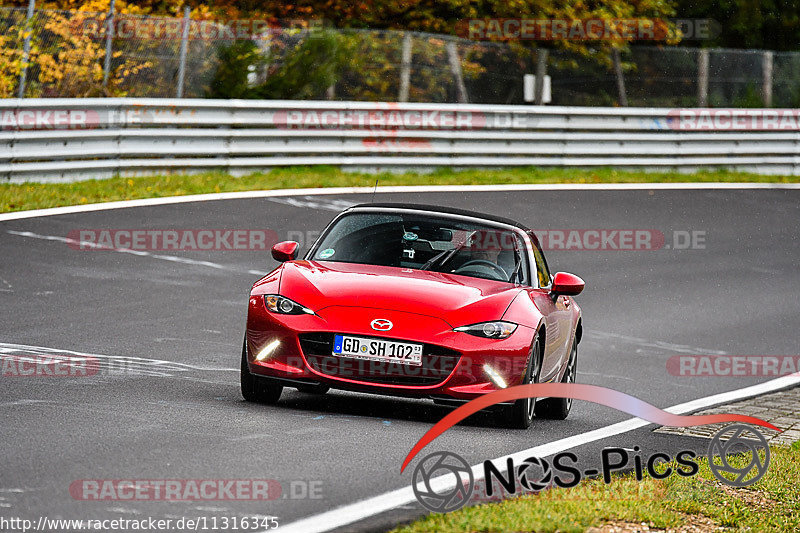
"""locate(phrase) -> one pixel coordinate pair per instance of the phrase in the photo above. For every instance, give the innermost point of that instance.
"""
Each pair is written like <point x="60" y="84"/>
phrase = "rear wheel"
<point x="559" y="408"/>
<point x="520" y="415"/>
<point x="256" y="388"/>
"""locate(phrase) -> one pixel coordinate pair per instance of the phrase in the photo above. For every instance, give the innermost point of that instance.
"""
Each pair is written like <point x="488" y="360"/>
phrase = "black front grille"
<point x="437" y="363"/>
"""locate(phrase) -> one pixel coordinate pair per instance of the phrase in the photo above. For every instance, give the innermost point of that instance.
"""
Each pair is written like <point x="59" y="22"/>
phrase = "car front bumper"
<point x="453" y="363"/>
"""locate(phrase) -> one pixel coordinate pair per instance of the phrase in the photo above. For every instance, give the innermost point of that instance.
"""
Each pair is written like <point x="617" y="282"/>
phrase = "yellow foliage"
<point x="65" y="57"/>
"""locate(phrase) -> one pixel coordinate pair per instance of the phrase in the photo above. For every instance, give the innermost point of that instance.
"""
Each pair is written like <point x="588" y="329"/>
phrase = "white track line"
<point x="140" y="253"/>
<point x="125" y="364"/>
<point x="388" y="189"/>
<point x="313" y="202"/>
<point x="355" y="512"/>
<point x="11" y="348"/>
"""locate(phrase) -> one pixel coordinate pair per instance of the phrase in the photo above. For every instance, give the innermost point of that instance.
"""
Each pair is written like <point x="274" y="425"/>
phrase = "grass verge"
<point x="699" y="503"/>
<point x="19" y="197"/>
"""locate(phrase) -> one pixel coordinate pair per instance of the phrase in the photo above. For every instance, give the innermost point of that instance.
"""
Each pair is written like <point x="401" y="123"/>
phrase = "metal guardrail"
<point x="68" y="139"/>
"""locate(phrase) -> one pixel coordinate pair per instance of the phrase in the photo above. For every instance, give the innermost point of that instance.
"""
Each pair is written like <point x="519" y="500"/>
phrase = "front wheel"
<point x="256" y="388"/>
<point x="520" y="414"/>
<point x="559" y="408"/>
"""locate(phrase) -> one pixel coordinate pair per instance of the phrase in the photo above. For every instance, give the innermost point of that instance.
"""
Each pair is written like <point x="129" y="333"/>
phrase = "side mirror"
<point x="285" y="251"/>
<point x="566" y="284"/>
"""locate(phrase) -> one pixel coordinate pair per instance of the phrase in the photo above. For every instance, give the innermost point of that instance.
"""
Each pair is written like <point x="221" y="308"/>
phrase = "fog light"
<point x="496" y="378"/>
<point x="267" y="351"/>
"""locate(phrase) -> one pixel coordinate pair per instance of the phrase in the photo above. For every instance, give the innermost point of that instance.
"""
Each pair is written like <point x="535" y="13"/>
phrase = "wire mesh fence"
<point x="306" y="60"/>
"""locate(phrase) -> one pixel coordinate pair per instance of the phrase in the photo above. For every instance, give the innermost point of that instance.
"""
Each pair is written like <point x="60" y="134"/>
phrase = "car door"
<point x="557" y="316"/>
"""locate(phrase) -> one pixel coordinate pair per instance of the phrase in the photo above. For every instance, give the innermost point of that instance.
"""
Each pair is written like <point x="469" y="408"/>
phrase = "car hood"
<point x="458" y="300"/>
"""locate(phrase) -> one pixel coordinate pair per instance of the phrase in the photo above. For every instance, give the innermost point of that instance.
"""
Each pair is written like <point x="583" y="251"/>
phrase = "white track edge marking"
<point x="145" y="202"/>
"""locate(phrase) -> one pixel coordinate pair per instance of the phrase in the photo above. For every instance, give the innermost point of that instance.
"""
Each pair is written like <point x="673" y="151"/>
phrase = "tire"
<point x="520" y="414"/>
<point x="317" y="390"/>
<point x="559" y="408"/>
<point x="256" y="388"/>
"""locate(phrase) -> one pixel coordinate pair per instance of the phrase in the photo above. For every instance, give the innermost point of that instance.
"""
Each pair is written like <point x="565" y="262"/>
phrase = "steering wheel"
<point x="503" y="275"/>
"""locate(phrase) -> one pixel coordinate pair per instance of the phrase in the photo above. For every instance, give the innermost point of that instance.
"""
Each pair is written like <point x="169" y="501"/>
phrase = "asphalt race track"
<point x="167" y="328"/>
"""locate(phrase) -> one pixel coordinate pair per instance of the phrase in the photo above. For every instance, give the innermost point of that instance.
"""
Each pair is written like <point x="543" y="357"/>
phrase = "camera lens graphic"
<point x="736" y="439"/>
<point x="443" y="482"/>
<point x="528" y="477"/>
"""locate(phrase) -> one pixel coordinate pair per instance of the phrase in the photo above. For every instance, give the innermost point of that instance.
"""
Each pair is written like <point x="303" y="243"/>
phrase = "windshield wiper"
<point x="433" y="260"/>
<point x="447" y="255"/>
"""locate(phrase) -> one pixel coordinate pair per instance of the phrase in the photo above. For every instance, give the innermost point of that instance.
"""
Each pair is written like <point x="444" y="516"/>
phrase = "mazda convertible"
<point x="419" y="301"/>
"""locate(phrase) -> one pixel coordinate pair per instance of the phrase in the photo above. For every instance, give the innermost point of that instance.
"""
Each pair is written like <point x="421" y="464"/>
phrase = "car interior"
<point x="423" y="244"/>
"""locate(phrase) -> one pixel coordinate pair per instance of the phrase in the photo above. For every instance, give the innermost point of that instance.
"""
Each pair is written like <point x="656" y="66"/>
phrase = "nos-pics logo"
<point x="738" y="439"/>
<point x="443" y="481"/>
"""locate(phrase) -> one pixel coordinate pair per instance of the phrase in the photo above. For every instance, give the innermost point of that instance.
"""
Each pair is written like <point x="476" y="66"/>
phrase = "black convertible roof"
<point x="447" y="210"/>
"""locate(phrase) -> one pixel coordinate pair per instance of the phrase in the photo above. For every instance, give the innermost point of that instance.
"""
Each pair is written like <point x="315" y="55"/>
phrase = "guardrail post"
<point x="109" y="38"/>
<point x="26" y="50"/>
<point x="766" y="80"/>
<point x="405" y="69"/>
<point x="702" y="77"/>
<point x="184" y="42"/>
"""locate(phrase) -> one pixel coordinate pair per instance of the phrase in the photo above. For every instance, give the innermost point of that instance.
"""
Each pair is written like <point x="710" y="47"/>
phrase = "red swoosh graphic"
<point x="591" y="393"/>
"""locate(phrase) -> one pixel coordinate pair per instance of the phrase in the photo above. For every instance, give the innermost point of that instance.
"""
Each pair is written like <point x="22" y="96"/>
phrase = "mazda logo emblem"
<point x="381" y="324"/>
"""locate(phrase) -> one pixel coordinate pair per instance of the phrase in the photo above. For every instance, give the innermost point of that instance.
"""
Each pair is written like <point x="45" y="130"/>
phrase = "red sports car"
<point x="418" y="301"/>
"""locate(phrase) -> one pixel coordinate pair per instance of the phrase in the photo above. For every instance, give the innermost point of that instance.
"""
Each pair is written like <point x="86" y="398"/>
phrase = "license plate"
<point x="377" y="349"/>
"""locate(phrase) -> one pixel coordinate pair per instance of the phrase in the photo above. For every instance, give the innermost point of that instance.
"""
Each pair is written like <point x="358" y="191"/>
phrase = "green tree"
<point x="236" y="61"/>
<point x="306" y="71"/>
<point x="763" y="24"/>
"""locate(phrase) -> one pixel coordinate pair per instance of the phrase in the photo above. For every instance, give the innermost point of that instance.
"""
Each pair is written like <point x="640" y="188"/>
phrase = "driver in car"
<point x="494" y="246"/>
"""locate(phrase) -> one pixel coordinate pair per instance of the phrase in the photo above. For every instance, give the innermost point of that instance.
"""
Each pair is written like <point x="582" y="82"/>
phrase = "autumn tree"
<point x="67" y="52"/>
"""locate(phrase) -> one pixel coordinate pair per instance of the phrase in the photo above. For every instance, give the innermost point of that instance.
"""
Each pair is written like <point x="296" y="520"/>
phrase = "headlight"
<point x="285" y="306"/>
<point x="490" y="330"/>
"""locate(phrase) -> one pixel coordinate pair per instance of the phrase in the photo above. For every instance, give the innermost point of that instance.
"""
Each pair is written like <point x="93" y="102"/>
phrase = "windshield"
<point x="425" y="242"/>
